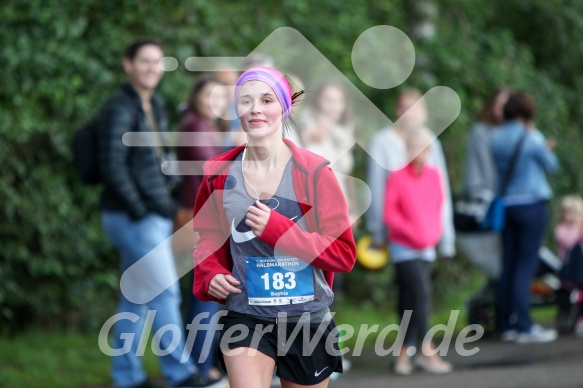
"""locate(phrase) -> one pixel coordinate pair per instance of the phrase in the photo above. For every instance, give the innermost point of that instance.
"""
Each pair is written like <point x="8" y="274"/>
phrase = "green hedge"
<point x="60" y="61"/>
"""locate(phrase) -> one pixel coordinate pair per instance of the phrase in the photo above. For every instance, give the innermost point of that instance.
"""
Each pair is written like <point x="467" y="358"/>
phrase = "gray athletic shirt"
<point x="272" y="281"/>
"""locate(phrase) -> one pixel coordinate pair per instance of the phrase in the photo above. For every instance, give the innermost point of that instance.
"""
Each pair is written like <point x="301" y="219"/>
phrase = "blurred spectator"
<point x="480" y="173"/>
<point x="207" y="102"/>
<point x="413" y="210"/>
<point x="480" y="180"/>
<point x="228" y="76"/>
<point x="387" y="148"/>
<point x="137" y="214"/>
<point x="569" y="240"/>
<point x="291" y="131"/>
<point x="257" y="60"/>
<point x="570" y="227"/>
<point x="326" y="128"/>
<point x="525" y="198"/>
<point x="202" y="119"/>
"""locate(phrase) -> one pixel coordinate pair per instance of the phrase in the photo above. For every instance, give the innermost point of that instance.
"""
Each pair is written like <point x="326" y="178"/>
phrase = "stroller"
<point x="484" y="250"/>
<point x="570" y="291"/>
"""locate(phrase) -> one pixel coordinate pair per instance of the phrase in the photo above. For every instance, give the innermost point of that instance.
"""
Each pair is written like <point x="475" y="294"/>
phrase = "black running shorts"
<point x="307" y="359"/>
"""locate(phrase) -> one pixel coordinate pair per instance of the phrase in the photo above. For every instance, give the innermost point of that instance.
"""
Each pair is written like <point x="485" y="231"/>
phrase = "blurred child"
<point x="570" y="227"/>
<point x="413" y="206"/>
<point x="569" y="239"/>
<point x="388" y="152"/>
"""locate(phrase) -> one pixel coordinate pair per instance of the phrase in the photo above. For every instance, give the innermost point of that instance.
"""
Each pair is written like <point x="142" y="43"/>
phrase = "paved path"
<point x="554" y="365"/>
<point x="496" y="365"/>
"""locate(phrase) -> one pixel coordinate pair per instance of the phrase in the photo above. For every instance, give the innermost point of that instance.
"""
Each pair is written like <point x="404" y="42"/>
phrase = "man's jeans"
<point x="134" y="239"/>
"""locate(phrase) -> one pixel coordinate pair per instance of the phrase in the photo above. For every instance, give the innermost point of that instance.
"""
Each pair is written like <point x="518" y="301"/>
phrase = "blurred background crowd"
<point x="513" y="64"/>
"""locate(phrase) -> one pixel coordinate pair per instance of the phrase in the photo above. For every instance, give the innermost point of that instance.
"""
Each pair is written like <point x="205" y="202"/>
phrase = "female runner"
<point x="274" y="228"/>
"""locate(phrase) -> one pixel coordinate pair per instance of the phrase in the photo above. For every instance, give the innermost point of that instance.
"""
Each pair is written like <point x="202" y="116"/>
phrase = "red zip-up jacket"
<point x="328" y="244"/>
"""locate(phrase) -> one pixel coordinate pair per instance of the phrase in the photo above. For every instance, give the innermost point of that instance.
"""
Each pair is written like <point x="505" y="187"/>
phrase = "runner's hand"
<point x="257" y="218"/>
<point x="222" y="285"/>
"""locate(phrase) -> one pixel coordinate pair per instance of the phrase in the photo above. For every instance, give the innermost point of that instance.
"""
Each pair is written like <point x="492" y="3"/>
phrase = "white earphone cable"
<point x="243" y="172"/>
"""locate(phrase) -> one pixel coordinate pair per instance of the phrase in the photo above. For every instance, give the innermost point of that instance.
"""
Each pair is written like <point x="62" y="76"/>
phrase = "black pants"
<point x="413" y="279"/>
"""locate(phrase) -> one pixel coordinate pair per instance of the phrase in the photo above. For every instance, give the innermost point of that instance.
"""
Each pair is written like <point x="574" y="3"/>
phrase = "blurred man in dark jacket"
<point x="137" y="214"/>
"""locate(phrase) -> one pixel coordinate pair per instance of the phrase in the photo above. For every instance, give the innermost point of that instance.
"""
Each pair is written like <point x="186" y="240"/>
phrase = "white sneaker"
<point x="403" y="368"/>
<point x="434" y="364"/>
<point x="509" y="335"/>
<point x="537" y="334"/>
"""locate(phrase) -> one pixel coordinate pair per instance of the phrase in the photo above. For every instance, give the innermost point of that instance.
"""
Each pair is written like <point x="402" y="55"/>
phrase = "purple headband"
<point x="274" y="79"/>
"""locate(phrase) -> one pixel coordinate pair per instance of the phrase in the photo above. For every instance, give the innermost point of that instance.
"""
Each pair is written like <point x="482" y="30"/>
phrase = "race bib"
<point x="278" y="280"/>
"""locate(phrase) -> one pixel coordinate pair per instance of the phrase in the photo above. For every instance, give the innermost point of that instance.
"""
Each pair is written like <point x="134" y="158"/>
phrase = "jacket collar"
<point x="129" y="90"/>
<point x="302" y="159"/>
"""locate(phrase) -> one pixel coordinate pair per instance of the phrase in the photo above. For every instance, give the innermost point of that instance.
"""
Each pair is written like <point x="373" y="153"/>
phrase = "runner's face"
<point x="259" y="109"/>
